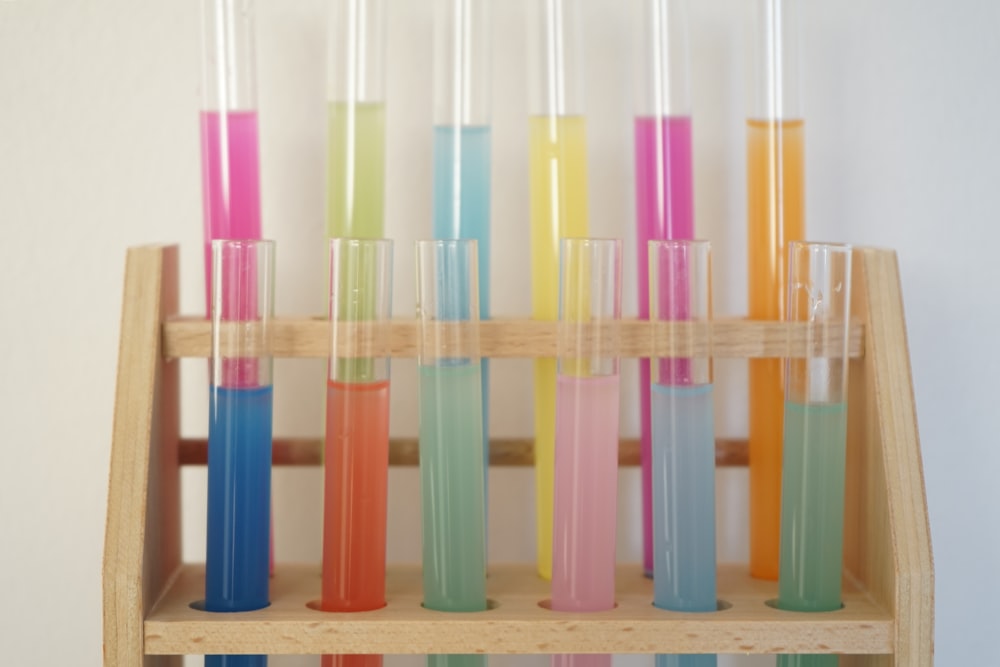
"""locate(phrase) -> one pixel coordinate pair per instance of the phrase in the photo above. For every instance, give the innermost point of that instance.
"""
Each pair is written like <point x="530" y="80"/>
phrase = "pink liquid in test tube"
<point x="230" y="178"/>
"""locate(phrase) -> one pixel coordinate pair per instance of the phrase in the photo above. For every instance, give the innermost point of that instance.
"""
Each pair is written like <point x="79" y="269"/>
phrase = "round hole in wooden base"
<point x="547" y="604"/>
<point x="317" y="605"/>
<point x="720" y="605"/>
<point x="491" y="604"/>
<point x="773" y="603"/>
<point x="199" y="605"/>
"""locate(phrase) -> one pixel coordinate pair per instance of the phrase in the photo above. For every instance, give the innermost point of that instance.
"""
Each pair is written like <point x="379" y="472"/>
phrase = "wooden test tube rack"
<point x="887" y="619"/>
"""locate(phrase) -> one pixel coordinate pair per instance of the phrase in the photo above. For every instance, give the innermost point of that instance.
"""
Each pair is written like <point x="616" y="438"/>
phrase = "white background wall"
<point x="99" y="151"/>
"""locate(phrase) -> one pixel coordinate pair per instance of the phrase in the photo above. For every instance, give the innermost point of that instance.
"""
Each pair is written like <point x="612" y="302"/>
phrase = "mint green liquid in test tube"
<point x="453" y="499"/>
<point x="815" y="438"/>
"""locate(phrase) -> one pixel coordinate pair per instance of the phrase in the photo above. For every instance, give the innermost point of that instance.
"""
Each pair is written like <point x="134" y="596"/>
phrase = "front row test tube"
<point x="815" y="438"/>
<point x="357" y="432"/>
<point x="453" y="499"/>
<point x="239" y="435"/>
<point x="683" y="435"/>
<point x="586" y="436"/>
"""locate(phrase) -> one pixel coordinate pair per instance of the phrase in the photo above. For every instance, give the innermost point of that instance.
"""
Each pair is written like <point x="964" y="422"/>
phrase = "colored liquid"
<point x="462" y="211"/>
<point x="352" y="660"/>
<point x="354" y="519"/>
<point x="451" y="486"/>
<point x="235" y="661"/>
<point x="812" y="511"/>
<point x="463" y="660"/>
<point x="664" y="202"/>
<point x="558" y="172"/>
<point x="684" y="498"/>
<point x="586" y="493"/>
<point x="581" y="660"/>
<point x="230" y="177"/>
<point x="356" y="170"/>
<point x="687" y="660"/>
<point x="239" y="499"/>
<point x="776" y="208"/>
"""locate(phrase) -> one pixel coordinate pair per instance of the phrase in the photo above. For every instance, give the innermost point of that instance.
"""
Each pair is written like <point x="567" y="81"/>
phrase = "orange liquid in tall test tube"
<point x="558" y="171"/>
<point x="776" y="213"/>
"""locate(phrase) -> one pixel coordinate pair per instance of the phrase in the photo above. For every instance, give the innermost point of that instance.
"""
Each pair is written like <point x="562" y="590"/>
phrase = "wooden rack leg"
<point x="887" y="533"/>
<point x="142" y="535"/>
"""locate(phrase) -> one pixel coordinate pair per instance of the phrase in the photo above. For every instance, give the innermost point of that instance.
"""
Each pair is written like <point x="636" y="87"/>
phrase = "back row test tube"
<point x="776" y="212"/>
<point x="356" y="100"/>
<point x="462" y="144"/>
<point x="663" y="184"/>
<point x="230" y="169"/>
<point x="558" y="172"/>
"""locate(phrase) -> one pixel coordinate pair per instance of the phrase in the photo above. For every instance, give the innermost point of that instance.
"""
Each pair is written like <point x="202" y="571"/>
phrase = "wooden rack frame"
<point x="887" y="619"/>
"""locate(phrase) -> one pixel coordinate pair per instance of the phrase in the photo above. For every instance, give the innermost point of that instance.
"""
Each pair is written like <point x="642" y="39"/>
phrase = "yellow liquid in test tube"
<point x="356" y="172"/>
<point x="776" y="213"/>
<point x="558" y="171"/>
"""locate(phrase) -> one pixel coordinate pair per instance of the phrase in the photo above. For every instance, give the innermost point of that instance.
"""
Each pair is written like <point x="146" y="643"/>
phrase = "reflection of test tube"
<point x="357" y="432"/>
<point x="230" y="169"/>
<point x="356" y="99"/>
<point x="586" y="447"/>
<point x="776" y="211"/>
<point x="683" y="438"/>
<point x="663" y="195"/>
<point x="815" y="438"/>
<point x="451" y="452"/>
<point x="462" y="142"/>
<point x="239" y="436"/>
<point x="558" y="173"/>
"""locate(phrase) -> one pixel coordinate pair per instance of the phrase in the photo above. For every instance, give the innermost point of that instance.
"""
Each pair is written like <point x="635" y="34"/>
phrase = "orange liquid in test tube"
<point x="776" y="213"/>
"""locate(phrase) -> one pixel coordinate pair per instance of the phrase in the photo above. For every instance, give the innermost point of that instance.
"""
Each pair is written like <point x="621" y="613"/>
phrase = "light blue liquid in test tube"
<point x="683" y="437"/>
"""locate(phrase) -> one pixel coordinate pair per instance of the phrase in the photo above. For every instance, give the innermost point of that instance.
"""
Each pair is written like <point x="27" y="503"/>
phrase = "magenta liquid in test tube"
<point x="230" y="169"/>
<point x="239" y="435"/>
<point x="585" y="497"/>
<point x="664" y="198"/>
<point x="683" y="434"/>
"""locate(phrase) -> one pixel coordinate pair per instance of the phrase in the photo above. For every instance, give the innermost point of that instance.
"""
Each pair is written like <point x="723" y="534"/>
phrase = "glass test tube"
<point x="451" y="451"/>
<point x="230" y="169"/>
<point x="239" y="435"/>
<point x="558" y="174"/>
<point x="776" y="212"/>
<point x="357" y="431"/>
<point x="586" y="433"/>
<point x="356" y="111"/>
<point x="462" y="143"/>
<point x="664" y="197"/>
<point x="815" y="438"/>
<point x="683" y="436"/>
<point x="586" y="457"/>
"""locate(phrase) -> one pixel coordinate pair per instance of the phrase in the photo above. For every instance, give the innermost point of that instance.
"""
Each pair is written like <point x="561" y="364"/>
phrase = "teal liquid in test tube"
<point x="462" y="145"/>
<point x="683" y="436"/>
<point x="815" y="438"/>
<point x="453" y="499"/>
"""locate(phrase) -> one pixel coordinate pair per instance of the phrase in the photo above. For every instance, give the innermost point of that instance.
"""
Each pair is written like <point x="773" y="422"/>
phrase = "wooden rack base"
<point x="887" y="619"/>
